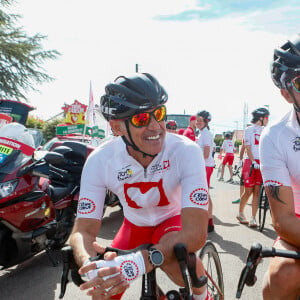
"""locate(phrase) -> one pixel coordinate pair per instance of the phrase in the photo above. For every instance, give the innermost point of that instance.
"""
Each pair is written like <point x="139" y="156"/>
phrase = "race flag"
<point x="91" y="118"/>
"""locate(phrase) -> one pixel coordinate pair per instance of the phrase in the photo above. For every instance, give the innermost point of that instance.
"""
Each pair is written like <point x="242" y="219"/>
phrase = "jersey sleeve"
<point x="92" y="189"/>
<point x="273" y="168"/>
<point x="193" y="178"/>
<point x="247" y="137"/>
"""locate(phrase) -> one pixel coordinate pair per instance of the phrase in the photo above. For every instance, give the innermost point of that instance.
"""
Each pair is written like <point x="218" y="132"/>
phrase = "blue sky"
<point x="211" y="55"/>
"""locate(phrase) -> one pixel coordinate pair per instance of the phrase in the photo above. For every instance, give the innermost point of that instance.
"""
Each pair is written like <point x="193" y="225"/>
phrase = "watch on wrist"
<point x="156" y="258"/>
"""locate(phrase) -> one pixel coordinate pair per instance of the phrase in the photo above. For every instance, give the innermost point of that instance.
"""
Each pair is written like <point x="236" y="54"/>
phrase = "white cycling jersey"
<point x="227" y="146"/>
<point x="252" y="137"/>
<point x="149" y="195"/>
<point x="206" y="139"/>
<point x="280" y="155"/>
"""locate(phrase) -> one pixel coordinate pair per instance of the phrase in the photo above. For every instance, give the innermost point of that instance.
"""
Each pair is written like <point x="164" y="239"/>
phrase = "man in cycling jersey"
<point x="228" y="159"/>
<point x="164" y="198"/>
<point x="190" y="131"/>
<point x="251" y="172"/>
<point x="280" y="166"/>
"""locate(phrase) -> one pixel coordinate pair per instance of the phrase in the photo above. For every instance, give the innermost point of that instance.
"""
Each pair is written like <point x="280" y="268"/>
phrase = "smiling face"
<point x="149" y="139"/>
<point x="200" y="123"/>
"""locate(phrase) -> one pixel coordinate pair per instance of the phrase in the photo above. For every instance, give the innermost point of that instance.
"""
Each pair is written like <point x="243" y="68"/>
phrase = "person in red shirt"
<point x="190" y="131"/>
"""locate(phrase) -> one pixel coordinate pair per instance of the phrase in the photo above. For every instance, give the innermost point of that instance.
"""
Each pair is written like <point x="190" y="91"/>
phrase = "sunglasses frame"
<point x="293" y="84"/>
<point x="151" y="113"/>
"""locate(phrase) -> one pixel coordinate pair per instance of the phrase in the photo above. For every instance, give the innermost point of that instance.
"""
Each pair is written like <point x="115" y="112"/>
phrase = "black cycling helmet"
<point x="171" y="124"/>
<point x="205" y="115"/>
<point x="127" y="96"/>
<point x="258" y="113"/>
<point x="228" y="135"/>
<point x="286" y="62"/>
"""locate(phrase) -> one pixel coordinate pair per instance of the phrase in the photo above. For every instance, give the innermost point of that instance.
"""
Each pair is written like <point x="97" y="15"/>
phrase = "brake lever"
<point x="248" y="273"/>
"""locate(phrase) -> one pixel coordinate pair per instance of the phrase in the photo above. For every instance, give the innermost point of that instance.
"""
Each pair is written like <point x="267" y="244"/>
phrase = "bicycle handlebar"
<point x="256" y="253"/>
<point x="187" y="263"/>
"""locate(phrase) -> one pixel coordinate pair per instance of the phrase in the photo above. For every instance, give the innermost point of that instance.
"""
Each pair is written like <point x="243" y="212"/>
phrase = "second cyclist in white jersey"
<point x="280" y="165"/>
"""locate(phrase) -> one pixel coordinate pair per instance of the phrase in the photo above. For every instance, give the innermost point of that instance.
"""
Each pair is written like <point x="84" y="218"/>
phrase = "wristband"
<point x="131" y="266"/>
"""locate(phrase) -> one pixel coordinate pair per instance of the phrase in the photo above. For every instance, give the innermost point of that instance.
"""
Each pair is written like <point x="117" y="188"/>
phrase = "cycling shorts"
<point x="229" y="157"/>
<point x="131" y="236"/>
<point x="209" y="171"/>
<point x="255" y="178"/>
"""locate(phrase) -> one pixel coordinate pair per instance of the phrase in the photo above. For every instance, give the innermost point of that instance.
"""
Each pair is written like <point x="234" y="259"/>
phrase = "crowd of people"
<point x="166" y="199"/>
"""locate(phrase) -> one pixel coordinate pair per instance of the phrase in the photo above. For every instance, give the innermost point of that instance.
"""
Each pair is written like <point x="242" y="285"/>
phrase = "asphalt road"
<point x="37" y="279"/>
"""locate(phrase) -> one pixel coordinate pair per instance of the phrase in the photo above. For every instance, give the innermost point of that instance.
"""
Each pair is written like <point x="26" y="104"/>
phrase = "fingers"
<point x="102" y="293"/>
<point x="86" y="268"/>
<point x="102" y="280"/>
<point x="101" y="249"/>
<point x="106" y="287"/>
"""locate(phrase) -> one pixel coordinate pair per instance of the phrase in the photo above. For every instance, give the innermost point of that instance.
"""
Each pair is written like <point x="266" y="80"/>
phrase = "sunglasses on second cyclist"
<point x="143" y="119"/>
<point x="295" y="83"/>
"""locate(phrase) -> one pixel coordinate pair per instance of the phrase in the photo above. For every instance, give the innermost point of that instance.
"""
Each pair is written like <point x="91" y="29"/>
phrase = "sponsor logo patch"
<point x="129" y="269"/>
<point x="199" y="197"/>
<point x="296" y="143"/>
<point x="125" y="173"/>
<point x="86" y="206"/>
<point x="159" y="168"/>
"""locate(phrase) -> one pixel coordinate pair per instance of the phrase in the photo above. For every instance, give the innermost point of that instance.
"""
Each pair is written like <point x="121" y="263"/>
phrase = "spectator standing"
<point x="190" y="131"/>
<point x="227" y="147"/>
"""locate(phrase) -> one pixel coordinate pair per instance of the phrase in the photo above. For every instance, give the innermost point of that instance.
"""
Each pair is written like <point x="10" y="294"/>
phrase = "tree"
<point x="21" y="57"/>
<point x="49" y="129"/>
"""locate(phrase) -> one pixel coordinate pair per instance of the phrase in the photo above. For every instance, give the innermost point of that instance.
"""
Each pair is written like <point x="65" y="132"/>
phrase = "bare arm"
<point x="206" y="151"/>
<point x="193" y="234"/>
<point x="285" y="222"/>
<point x="242" y="151"/>
<point x="83" y="235"/>
<point x="249" y="152"/>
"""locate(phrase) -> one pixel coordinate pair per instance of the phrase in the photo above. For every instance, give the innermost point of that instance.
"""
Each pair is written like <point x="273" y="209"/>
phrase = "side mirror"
<point x="54" y="158"/>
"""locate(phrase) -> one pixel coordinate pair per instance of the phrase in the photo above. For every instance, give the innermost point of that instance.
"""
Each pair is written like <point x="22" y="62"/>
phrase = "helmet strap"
<point x="131" y="143"/>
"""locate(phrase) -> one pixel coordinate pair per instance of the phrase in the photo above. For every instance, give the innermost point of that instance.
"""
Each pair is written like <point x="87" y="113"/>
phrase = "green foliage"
<point x="21" y="57"/>
<point x="218" y="141"/>
<point x="49" y="129"/>
<point x="34" y="122"/>
<point x="237" y="143"/>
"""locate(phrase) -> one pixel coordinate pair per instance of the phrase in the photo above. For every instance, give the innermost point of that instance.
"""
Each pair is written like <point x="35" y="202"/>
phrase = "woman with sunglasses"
<point x="280" y="167"/>
<point x="164" y="198"/>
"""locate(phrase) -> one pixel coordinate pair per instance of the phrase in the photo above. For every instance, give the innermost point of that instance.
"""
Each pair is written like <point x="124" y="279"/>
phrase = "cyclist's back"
<point x="280" y="165"/>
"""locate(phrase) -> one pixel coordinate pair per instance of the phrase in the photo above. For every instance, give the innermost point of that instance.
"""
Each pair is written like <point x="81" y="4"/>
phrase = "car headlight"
<point x="8" y="187"/>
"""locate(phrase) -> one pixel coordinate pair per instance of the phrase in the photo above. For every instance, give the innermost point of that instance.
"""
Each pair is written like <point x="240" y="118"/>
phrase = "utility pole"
<point x="245" y="121"/>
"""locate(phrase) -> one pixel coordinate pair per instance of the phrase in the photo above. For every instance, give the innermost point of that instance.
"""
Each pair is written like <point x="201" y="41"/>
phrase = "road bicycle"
<point x="255" y="255"/>
<point x="150" y="287"/>
<point x="263" y="206"/>
<point x="236" y="172"/>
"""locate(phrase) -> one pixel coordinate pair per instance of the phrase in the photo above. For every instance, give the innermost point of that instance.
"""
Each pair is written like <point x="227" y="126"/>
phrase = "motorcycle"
<point x="38" y="198"/>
